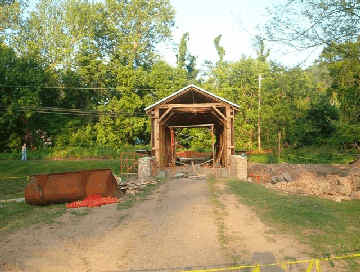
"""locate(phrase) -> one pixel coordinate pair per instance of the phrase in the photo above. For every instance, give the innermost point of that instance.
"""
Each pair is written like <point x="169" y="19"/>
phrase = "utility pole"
<point x="259" y="109"/>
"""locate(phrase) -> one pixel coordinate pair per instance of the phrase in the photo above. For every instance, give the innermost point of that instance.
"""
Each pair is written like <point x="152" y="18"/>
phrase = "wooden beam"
<point x="193" y="126"/>
<point x="228" y="138"/>
<point x="167" y="118"/>
<point x="157" y="137"/>
<point x="199" y="105"/>
<point x="193" y="110"/>
<point x="165" y="113"/>
<point x="219" y="112"/>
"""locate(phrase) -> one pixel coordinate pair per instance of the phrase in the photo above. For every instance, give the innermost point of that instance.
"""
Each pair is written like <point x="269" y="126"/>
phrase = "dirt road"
<point x="182" y="224"/>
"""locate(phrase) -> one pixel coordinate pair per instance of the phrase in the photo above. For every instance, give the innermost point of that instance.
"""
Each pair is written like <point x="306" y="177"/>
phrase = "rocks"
<point x="179" y="175"/>
<point x="284" y="177"/>
<point x="335" y="182"/>
<point x="133" y="187"/>
<point x="118" y="180"/>
<point x="276" y="179"/>
<point x="355" y="195"/>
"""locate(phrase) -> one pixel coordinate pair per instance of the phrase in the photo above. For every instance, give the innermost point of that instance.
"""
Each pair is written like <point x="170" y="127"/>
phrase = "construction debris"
<point x="335" y="182"/>
<point x="133" y="187"/>
<point x="179" y="175"/>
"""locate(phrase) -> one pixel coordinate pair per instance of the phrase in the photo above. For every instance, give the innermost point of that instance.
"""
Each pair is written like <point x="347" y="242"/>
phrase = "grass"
<point x="12" y="188"/>
<point x="18" y="215"/>
<point x="81" y="212"/>
<point x="306" y="155"/>
<point x="219" y="212"/>
<point x="328" y="227"/>
<point x="74" y="152"/>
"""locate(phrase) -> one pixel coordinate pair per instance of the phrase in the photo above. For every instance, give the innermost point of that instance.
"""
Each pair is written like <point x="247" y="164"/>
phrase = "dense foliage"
<point x="79" y="74"/>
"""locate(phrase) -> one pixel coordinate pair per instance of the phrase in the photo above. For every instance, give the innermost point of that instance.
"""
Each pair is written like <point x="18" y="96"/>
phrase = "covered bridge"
<point x="192" y="107"/>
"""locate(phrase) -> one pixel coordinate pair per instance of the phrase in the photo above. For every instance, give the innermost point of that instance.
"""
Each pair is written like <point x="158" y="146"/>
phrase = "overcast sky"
<point x="236" y="20"/>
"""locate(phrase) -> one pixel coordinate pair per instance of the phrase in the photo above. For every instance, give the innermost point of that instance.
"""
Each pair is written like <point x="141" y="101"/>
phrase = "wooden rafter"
<point x="219" y="112"/>
<point x="165" y="113"/>
<point x="167" y="117"/>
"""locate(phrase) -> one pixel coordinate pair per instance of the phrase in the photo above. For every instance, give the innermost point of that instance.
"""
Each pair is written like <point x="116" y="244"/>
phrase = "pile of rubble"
<point x="132" y="187"/>
<point x="335" y="182"/>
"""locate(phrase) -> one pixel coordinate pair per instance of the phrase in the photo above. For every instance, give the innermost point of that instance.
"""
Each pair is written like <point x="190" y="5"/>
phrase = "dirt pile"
<point x="336" y="182"/>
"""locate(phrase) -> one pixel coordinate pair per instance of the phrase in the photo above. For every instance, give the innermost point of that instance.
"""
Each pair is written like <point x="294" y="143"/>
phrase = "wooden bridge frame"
<point x="192" y="107"/>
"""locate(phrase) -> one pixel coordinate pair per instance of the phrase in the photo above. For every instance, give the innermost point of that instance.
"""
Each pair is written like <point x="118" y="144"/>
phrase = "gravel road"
<point x="182" y="224"/>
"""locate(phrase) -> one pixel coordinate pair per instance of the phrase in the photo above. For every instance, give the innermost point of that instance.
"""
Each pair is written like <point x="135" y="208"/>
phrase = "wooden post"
<point x="173" y="146"/>
<point x="213" y="144"/>
<point x="157" y="136"/>
<point x="228" y="137"/>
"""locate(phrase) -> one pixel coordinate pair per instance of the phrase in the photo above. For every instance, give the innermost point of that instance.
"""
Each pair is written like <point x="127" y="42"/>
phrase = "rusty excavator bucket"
<point x="69" y="186"/>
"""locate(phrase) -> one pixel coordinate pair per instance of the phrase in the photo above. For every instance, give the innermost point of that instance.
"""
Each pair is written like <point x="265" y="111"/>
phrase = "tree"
<point x="19" y="117"/>
<point x="10" y="15"/>
<point x="262" y="53"/>
<point x="311" y="23"/>
<point x="184" y="59"/>
<point x="237" y="82"/>
<point x="133" y="28"/>
<point x="219" y="49"/>
<point x="343" y="63"/>
<point x="318" y="123"/>
<point x="125" y="32"/>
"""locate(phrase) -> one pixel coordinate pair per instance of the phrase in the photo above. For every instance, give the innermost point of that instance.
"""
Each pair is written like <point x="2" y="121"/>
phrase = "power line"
<point x="77" y="88"/>
<point x="64" y="111"/>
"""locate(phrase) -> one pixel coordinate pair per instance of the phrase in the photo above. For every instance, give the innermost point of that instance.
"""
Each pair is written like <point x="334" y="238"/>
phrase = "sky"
<point x="236" y="20"/>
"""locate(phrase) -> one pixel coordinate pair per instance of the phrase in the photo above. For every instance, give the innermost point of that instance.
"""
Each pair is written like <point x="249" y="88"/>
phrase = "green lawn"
<point x="307" y="155"/>
<point x="328" y="227"/>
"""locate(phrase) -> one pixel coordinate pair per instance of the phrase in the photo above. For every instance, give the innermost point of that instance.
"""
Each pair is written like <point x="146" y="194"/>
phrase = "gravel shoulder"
<point x="180" y="225"/>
